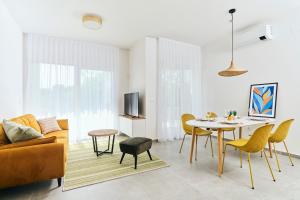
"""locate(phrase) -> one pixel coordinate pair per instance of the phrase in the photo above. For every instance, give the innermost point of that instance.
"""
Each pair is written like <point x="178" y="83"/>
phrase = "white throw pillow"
<point x="49" y="125"/>
<point x="18" y="132"/>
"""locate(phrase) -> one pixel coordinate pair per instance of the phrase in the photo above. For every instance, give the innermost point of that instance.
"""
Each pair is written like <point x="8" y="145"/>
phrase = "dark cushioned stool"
<point x="135" y="146"/>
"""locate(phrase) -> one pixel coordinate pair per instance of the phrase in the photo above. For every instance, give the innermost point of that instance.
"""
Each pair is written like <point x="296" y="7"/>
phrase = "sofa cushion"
<point x="29" y="143"/>
<point x="49" y="125"/>
<point x="58" y="134"/>
<point x="18" y="132"/>
<point x="28" y="120"/>
<point x="61" y="137"/>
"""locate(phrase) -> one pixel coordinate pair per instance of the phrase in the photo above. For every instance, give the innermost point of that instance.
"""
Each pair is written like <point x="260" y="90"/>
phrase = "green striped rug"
<point x="85" y="168"/>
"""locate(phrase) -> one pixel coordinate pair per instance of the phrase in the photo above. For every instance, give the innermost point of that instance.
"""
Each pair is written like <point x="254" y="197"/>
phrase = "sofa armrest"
<point x="63" y="124"/>
<point x="31" y="163"/>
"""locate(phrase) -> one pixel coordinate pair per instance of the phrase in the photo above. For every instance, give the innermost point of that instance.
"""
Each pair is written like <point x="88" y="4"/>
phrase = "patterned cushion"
<point x="49" y="125"/>
<point x="18" y="132"/>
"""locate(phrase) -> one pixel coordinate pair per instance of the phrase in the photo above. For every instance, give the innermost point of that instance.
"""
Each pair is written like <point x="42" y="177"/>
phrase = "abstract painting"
<point x="262" y="102"/>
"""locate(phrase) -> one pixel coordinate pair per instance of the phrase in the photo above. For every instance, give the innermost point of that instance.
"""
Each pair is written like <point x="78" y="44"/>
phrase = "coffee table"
<point x="103" y="133"/>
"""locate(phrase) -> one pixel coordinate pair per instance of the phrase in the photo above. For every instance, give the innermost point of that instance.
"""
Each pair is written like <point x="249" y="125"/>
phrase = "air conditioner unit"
<point x="254" y="34"/>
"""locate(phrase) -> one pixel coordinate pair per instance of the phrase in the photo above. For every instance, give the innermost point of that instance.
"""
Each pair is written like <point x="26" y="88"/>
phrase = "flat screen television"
<point x="131" y="104"/>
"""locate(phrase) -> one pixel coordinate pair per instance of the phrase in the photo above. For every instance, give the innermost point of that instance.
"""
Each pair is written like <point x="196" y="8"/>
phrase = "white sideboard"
<point x="132" y="126"/>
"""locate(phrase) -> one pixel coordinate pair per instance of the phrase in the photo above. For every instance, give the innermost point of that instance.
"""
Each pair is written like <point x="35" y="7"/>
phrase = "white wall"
<point x="11" y="49"/>
<point x="137" y="72"/>
<point x="272" y="61"/>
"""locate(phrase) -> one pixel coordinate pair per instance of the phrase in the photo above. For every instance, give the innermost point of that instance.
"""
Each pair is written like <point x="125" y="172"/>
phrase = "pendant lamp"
<point x="232" y="70"/>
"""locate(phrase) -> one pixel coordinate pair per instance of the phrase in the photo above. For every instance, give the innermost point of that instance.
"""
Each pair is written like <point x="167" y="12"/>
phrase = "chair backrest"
<point x="282" y="131"/>
<point x="184" y="118"/>
<point x="259" y="139"/>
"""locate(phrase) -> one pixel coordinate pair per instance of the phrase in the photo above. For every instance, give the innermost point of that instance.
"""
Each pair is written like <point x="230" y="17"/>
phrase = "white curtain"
<point x="71" y="79"/>
<point x="179" y="86"/>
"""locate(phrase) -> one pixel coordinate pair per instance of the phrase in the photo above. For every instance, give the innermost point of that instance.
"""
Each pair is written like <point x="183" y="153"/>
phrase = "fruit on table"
<point x="230" y="118"/>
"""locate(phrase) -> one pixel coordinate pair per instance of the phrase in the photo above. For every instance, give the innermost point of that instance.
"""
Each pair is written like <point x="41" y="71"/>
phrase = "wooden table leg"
<point x="240" y="132"/>
<point x="192" y="145"/>
<point x="220" y="151"/>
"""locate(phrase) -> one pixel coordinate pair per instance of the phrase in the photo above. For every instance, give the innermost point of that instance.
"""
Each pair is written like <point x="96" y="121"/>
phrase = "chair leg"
<point x="182" y="143"/>
<point x="212" y="151"/>
<point x="224" y="158"/>
<point x="261" y="152"/>
<point x="206" y="141"/>
<point x="233" y="133"/>
<point x="270" y="149"/>
<point x="241" y="157"/>
<point x="288" y="153"/>
<point x="271" y="171"/>
<point x="196" y="149"/>
<point x="249" y="162"/>
<point x="149" y="154"/>
<point x="122" y="158"/>
<point x="59" y="182"/>
<point x="278" y="166"/>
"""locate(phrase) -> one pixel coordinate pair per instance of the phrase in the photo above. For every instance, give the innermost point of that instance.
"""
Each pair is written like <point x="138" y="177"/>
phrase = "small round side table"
<point x="103" y="133"/>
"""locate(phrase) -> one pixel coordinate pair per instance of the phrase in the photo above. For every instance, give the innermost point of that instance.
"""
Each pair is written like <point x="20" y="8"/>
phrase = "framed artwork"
<point x="262" y="101"/>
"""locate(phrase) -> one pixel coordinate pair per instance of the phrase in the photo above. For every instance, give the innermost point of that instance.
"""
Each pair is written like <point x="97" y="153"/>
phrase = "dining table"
<point x="219" y="124"/>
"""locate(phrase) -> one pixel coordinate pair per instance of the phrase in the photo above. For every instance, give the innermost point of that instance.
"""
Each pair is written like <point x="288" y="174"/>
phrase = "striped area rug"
<point x="85" y="168"/>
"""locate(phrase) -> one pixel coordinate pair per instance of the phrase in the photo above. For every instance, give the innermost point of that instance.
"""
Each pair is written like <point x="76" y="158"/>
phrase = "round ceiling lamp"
<point x="232" y="70"/>
<point x="93" y="22"/>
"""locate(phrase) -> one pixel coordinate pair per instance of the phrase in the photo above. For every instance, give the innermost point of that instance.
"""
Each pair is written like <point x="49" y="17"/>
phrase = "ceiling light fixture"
<point x="92" y="21"/>
<point x="232" y="70"/>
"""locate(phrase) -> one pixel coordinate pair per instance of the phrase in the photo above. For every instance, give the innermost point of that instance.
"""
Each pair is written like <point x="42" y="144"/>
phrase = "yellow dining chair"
<point x="188" y="130"/>
<point x="255" y="143"/>
<point x="214" y="115"/>
<point x="280" y="135"/>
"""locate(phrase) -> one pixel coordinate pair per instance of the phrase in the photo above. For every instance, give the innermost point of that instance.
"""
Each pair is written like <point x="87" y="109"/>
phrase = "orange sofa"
<point x="33" y="160"/>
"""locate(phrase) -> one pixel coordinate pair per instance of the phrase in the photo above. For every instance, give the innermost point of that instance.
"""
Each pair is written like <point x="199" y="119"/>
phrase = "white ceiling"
<point x="126" y="21"/>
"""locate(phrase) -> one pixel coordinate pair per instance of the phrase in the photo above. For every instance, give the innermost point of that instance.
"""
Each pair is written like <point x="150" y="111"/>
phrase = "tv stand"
<point x="132" y="126"/>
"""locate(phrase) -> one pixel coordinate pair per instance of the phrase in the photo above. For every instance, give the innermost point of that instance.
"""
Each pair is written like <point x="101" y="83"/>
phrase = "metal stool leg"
<point x="149" y="154"/>
<point x="122" y="158"/>
<point x="135" y="161"/>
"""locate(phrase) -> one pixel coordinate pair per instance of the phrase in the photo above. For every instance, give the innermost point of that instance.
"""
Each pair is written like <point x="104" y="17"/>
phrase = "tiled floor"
<point x="182" y="180"/>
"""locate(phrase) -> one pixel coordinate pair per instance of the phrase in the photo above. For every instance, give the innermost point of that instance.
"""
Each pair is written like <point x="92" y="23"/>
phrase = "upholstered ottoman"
<point x="135" y="146"/>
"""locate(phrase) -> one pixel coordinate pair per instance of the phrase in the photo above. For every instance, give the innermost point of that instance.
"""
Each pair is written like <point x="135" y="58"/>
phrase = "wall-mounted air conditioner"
<point x="262" y="32"/>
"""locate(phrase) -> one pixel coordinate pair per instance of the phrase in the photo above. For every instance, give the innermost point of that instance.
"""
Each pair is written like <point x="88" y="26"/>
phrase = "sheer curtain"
<point x="71" y="79"/>
<point x="179" y="86"/>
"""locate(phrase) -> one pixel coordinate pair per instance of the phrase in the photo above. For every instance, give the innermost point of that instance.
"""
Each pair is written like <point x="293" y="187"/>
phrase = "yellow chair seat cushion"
<point x="237" y="143"/>
<point x="228" y="129"/>
<point x="224" y="129"/>
<point x="200" y="132"/>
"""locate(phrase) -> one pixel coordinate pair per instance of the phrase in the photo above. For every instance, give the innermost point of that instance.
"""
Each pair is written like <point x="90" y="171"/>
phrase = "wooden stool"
<point x="103" y="133"/>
